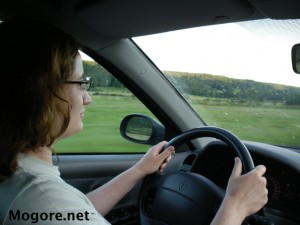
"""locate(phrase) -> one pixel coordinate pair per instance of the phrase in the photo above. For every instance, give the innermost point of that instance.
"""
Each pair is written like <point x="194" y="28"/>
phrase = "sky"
<point x="230" y="50"/>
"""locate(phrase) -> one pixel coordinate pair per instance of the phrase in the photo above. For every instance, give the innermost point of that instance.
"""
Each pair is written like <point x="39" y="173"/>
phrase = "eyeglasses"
<point x="84" y="84"/>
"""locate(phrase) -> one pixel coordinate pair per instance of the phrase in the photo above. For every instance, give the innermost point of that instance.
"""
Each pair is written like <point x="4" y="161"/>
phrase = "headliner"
<point x="108" y="20"/>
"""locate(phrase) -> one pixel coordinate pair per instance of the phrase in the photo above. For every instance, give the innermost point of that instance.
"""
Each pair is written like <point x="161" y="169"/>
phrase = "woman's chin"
<point x="69" y="132"/>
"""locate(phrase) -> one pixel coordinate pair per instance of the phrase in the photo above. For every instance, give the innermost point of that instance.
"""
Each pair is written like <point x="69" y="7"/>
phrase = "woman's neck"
<point x="42" y="153"/>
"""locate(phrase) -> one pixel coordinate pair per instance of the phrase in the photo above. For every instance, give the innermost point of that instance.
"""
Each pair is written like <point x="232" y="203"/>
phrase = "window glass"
<point x="236" y="76"/>
<point x="111" y="102"/>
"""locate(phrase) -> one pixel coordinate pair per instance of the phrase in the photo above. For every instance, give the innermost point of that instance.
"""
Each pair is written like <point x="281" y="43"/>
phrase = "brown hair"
<point x="35" y="59"/>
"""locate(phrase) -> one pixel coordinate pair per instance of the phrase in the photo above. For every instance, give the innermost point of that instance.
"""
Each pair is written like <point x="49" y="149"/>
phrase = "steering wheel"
<point x="187" y="198"/>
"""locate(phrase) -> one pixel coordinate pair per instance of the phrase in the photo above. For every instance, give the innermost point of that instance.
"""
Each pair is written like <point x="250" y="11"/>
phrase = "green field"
<point x="269" y="123"/>
<point x="263" y="122"/>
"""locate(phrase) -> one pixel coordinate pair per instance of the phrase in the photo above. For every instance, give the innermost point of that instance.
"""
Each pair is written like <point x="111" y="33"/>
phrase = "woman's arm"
<point x="108" y="195"/>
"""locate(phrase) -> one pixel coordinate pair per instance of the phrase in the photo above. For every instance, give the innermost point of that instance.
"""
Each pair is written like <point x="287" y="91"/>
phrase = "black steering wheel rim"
<point x="229" y="138"/>
<point x="198" y="198"/>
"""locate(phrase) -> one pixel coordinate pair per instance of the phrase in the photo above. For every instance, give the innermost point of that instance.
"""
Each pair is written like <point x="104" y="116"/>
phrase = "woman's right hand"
<point x="247" y="193"/>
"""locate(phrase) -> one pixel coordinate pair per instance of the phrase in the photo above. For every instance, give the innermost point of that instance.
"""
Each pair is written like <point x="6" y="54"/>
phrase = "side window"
<point x="111" y="102"/>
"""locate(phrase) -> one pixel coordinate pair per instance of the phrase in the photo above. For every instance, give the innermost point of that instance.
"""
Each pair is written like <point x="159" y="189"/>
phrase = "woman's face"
<point x="78" y="98"/>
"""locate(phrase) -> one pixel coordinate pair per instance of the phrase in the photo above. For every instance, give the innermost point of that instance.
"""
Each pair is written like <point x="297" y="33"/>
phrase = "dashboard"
<point x="216" y="161"/>
<point x="283" y="186"/>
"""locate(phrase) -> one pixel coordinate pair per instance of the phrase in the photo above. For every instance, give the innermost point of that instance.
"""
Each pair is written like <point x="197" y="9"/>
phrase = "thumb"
<point x="237" y="169"/>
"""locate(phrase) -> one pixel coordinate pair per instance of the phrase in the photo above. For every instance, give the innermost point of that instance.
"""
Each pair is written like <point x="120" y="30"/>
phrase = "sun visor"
<point x="131" y="18"/>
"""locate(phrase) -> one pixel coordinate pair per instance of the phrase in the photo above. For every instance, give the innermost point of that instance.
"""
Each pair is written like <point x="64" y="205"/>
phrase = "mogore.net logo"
<point x="35" y="217"/>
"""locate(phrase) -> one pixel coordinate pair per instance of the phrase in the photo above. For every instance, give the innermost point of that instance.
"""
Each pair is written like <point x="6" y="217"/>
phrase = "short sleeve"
<point x="53" y="202"/>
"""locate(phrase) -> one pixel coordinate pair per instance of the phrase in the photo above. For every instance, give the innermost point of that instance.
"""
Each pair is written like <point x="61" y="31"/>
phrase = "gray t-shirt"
<point x="40" y="196"/>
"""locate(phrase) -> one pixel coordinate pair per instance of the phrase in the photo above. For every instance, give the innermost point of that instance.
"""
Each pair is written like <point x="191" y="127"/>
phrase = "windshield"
<point x="236" y="76"/>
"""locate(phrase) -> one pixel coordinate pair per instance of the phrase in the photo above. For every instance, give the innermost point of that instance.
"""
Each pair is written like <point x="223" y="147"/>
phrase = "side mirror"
<point x="296" y="58"/>
<point x="142" y="129"/>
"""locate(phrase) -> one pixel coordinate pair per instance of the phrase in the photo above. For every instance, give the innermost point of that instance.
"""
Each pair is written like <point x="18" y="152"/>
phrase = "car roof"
<point x="98" y="23"/>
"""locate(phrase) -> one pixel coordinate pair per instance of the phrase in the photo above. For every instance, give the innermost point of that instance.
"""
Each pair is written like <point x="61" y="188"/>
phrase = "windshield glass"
<point x="236" y="76"/>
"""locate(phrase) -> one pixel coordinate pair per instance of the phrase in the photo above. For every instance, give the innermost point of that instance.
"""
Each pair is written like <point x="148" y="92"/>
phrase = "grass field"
<point x="267" y="123"/>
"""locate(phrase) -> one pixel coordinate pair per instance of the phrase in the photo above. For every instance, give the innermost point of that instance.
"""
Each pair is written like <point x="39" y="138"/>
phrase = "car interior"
<point x="204" y="154"/>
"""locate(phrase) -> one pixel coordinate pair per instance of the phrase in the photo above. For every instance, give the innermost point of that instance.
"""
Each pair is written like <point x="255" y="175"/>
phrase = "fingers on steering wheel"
<point x="260" y="169"/>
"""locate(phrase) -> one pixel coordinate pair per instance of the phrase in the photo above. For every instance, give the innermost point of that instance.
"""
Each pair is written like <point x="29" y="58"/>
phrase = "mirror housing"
<point x="142" y="129"/>
<point x="296" y="58"/>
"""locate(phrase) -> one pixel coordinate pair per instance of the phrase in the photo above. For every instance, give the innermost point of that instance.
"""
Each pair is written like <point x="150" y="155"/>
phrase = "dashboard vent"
<point x="187" y="164"/>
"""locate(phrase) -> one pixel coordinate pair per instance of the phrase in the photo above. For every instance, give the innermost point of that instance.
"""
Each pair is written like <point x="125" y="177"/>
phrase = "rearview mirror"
<point x="296" y="58"/>
<point x="142" y="129"/>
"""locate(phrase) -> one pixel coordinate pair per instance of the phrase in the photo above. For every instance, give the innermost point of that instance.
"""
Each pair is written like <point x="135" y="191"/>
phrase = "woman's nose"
<point x="86" y="98"/>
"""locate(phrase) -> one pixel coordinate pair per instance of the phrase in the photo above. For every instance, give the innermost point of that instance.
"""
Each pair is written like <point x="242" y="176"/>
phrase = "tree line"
<point x="210" y="86"/>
